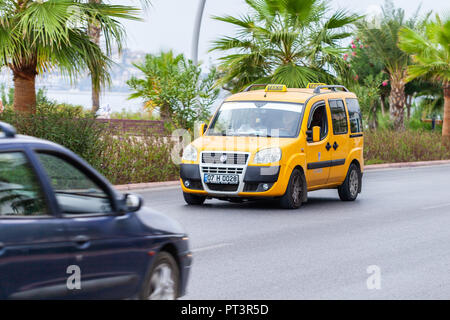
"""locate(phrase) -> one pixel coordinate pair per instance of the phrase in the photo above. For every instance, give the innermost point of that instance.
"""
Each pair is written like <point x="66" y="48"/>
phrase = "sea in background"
<point x="117" y="101"/>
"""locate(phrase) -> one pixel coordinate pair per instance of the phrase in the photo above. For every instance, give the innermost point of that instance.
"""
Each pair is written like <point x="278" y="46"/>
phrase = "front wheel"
<point x="193" y="199"/>
<point x="162" y="282"/>
<point x="349" y="190"/>
<point x="295" y="190"/>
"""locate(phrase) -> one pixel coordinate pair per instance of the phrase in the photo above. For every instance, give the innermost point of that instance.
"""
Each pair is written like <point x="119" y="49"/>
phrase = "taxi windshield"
<point x="257" y="118"/>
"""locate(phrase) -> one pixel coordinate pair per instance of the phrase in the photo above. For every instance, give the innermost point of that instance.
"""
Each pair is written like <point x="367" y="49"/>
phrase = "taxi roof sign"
<point x="313" y="85"/>
<point x="276" y="88"/>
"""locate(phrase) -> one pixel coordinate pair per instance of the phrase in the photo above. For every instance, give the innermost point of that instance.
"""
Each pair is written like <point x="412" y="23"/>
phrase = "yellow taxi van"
<point x="277" y="143"/>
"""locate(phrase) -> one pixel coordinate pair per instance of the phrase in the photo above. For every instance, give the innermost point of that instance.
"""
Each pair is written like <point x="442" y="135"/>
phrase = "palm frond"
<point x="430" y="50"/>
<point x="340" y="19"/>
<point x="294" y="76"/>
<point x="282" y="40"/>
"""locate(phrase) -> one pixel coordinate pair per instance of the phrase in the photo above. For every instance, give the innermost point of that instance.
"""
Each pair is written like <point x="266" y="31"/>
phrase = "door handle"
<point x="335" y="146"/>
<point x="81" y="241"/>
<point x="328" y="146"/>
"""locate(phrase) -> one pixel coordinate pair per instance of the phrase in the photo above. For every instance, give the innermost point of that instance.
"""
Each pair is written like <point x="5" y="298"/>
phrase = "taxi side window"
<point x="355" y="115"/>
<point x="318" y="118"/>
<point x="20" y="192"/>
<point x="338" y="116"/>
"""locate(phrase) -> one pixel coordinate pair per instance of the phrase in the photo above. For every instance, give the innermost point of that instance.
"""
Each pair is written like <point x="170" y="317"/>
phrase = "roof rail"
<point x="8" y="130"/>
<point x="332" y="87"/>
<point x="254" y="86"/>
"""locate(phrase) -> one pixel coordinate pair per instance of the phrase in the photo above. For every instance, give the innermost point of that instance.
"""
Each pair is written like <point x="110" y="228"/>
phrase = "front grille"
<point x="231" y="158"/>
<point x="223" y="170"/>
<point x="222" y="187"/>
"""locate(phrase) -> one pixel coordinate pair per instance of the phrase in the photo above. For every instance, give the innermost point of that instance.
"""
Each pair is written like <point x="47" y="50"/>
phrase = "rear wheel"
<point x="193" y="199"/>
<point x="349" y="190"/>
<point x="294" y="195"/>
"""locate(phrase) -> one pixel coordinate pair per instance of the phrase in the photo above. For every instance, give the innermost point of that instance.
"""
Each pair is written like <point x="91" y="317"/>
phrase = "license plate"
<point x="221" y="178"/>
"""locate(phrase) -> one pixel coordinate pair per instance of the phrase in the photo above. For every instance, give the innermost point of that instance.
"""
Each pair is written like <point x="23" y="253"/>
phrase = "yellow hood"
<point x="243" y="144"/>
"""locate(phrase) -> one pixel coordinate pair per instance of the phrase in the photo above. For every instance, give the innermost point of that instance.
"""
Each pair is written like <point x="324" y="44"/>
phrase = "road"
<point x="400" y="224"/>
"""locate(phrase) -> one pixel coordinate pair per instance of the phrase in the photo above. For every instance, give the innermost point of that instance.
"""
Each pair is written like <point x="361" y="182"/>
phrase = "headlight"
<point x="268" y="155"/>
<point x="190" y="153"/>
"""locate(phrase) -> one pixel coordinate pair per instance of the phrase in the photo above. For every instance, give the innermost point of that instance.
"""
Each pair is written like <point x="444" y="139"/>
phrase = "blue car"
<point x="65" y="233"/>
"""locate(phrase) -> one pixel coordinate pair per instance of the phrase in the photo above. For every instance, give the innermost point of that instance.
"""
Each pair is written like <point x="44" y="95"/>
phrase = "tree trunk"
<point x="397" y="101"/>
<point x="164" y="113"/>
<point x="94" y="35"/>
<point x="383" y="104"/>
<point x="25" y="91"/>
<point x="446" y="125"/>
<point x="373" y="121"/>
<point x="95" y="99"/>
<point x="408" y="106"/>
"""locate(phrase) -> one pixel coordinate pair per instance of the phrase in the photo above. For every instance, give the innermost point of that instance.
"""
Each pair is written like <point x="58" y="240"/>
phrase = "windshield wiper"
<point x="256" y="135"/>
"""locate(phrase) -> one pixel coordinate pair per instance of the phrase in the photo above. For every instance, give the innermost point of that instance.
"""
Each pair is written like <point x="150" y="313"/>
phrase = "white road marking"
<point x="214" y="246"/>
<point x="437" y="207"/>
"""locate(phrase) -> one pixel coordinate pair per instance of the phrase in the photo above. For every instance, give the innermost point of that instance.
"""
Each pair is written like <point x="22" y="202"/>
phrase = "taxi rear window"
<point x="355" y="115"/>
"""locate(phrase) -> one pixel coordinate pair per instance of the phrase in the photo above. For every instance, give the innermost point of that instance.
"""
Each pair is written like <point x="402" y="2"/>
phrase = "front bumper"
<point x="253" y="180"/>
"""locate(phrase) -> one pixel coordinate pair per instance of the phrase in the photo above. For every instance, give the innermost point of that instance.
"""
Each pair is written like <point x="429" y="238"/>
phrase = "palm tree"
<point x="94" y="32"/>
<point x="381" y="35"/>
<point x="289" y="42"/>
<point x="159" y="71"/>
<point x="176" y="87"/>
<point x="38" y="36"/>
<point x="431" y="57"/>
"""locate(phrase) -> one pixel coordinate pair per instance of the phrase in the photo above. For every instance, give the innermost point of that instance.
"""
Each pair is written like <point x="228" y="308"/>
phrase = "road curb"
<point x="405" y="164"/>
<point x="167" y="184"/>
<point x="148" y="185"/>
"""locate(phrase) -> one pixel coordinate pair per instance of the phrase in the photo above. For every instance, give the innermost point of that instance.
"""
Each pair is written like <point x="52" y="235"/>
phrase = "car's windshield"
<point x="257" y="118"/>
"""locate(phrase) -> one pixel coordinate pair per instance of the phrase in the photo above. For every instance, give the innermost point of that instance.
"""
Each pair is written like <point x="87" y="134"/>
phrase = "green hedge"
<point x="386" y="146"/>
<point x="136" y="159"/>
<point x="121" y="159"/>
<point x="68" y="126"/>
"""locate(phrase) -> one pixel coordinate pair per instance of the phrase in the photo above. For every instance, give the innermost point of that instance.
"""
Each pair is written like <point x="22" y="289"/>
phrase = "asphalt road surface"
<point x="398" y="228"/>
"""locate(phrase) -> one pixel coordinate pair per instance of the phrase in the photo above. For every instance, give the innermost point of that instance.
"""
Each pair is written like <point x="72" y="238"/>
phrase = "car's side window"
<point x="75" y="192"/>
<point x="20" y="191"/>
<point x="355" y="116"/>
<point x="318" y="118"/>
<point x="338" y="116"/>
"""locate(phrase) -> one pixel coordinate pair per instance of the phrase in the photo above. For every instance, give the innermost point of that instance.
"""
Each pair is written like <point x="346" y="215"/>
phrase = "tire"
<point x="163" y="280"/>
<point x="193" y="199"/>
<point x="294" y="195"/>
<point x="348" y="191"/>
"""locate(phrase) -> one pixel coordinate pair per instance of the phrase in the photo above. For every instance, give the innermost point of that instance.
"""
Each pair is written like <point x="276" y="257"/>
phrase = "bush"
<point x="121" y="159"/>
<point x="135" y="159"/>
<point x="65" y="125"/>
<point x="385" y="146"/>
<point x="133" y="115"/>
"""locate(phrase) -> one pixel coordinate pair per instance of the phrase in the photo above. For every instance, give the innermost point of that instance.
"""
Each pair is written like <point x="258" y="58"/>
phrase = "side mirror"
<point x="316" y="134"/>
<point x="203" y="128"/>
<point x="132" y="203"/>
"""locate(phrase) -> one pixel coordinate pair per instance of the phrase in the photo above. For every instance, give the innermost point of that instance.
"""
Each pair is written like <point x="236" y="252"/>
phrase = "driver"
<point x="289" y="121"/>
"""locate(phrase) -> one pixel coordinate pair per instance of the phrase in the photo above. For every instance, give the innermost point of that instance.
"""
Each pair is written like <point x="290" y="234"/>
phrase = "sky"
<point x="169" y="24"/>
